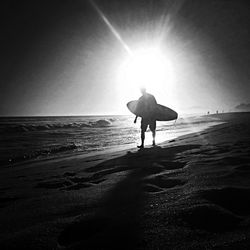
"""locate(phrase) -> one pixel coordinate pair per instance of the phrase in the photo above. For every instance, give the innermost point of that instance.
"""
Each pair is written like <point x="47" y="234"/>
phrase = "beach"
<point x="191" y="192"/>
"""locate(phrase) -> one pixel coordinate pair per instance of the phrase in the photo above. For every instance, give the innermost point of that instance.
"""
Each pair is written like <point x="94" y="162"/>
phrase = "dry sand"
<point x="190" y="193"/>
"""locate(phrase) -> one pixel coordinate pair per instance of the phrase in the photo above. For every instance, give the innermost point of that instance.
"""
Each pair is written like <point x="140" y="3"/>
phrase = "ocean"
<point x="35" y="138"/>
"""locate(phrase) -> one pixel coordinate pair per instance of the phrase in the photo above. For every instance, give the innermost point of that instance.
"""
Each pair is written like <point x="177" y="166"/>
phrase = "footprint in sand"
<point x="228" y="208"/>
<point x="236" y="200"/>
<point x="171" y="165"/>
<point x="69" y="181"/>
<point x="161" y="183"/>
<point x="159" y="173"/>
<point x="148" y="188"/>
<point x="69" y="174"/>
<point x="54" y="184"/>
<point x="83" y="182"/>
<point x="77" y="186"/>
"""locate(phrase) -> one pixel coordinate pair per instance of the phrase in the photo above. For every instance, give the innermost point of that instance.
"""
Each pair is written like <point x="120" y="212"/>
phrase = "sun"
<point x="145" y="67"/>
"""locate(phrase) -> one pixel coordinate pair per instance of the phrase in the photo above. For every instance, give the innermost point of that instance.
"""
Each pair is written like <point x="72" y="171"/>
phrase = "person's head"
<point x="143" y="90"/>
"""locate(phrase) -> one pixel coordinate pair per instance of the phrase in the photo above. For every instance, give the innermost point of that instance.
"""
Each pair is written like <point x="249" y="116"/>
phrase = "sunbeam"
<point x="111" y="27"/>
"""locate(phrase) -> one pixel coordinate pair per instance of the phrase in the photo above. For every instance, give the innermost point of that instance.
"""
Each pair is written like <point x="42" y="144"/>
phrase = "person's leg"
<point x="153" y="134"/>
<point x="142" y="139"/>
<point x="143" y="130"/>
<point x="153" y="129"/>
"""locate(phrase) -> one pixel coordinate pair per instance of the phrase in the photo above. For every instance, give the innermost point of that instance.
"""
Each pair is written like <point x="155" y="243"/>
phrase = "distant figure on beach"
<point x="147" y="103"/>
<point x="208" y="112"/>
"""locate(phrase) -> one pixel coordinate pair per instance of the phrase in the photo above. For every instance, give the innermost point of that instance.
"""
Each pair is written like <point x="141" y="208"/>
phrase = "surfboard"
<point x="159" y="112"/>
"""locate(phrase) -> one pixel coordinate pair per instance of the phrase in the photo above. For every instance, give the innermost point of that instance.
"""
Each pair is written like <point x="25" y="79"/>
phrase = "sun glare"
<point x="147" y="67"/>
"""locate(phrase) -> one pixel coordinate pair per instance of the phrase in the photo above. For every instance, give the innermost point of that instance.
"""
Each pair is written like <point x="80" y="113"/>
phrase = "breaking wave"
<point x="55" y="126"/>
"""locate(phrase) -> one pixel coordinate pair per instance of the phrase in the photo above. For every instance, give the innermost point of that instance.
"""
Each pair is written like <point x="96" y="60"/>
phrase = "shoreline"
<point x="112" y="150"/>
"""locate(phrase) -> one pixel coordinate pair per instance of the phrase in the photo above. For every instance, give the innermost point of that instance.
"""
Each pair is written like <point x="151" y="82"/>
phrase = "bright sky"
<point x="94" y="61"/>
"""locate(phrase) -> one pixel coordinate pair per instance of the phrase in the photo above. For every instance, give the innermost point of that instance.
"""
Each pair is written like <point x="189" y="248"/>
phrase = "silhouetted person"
<point x="146" y="105"/>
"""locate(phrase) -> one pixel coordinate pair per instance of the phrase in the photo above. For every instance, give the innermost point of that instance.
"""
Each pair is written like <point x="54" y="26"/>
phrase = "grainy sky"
<point x="61" y="58"/>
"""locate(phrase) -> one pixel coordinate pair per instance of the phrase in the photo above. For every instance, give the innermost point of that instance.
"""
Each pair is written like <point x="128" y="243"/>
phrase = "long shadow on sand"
<point x="116" y="224"/>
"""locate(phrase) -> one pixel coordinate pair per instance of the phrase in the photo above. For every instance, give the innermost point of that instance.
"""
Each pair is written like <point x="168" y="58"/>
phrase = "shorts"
<point x="145" y="123"/>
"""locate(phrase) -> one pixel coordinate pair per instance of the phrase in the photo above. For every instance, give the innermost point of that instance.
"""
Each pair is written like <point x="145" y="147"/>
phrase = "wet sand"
<point x="189" y="193"/>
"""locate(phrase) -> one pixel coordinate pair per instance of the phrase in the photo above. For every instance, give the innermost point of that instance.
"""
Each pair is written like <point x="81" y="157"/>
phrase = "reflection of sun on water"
<point x="161" y="136"/>
<point x="164" y="131"/>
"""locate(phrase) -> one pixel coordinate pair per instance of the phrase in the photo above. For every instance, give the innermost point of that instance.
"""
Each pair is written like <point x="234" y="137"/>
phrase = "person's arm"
<point x="135" y="119"/>
<point x="154" y="100"/>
